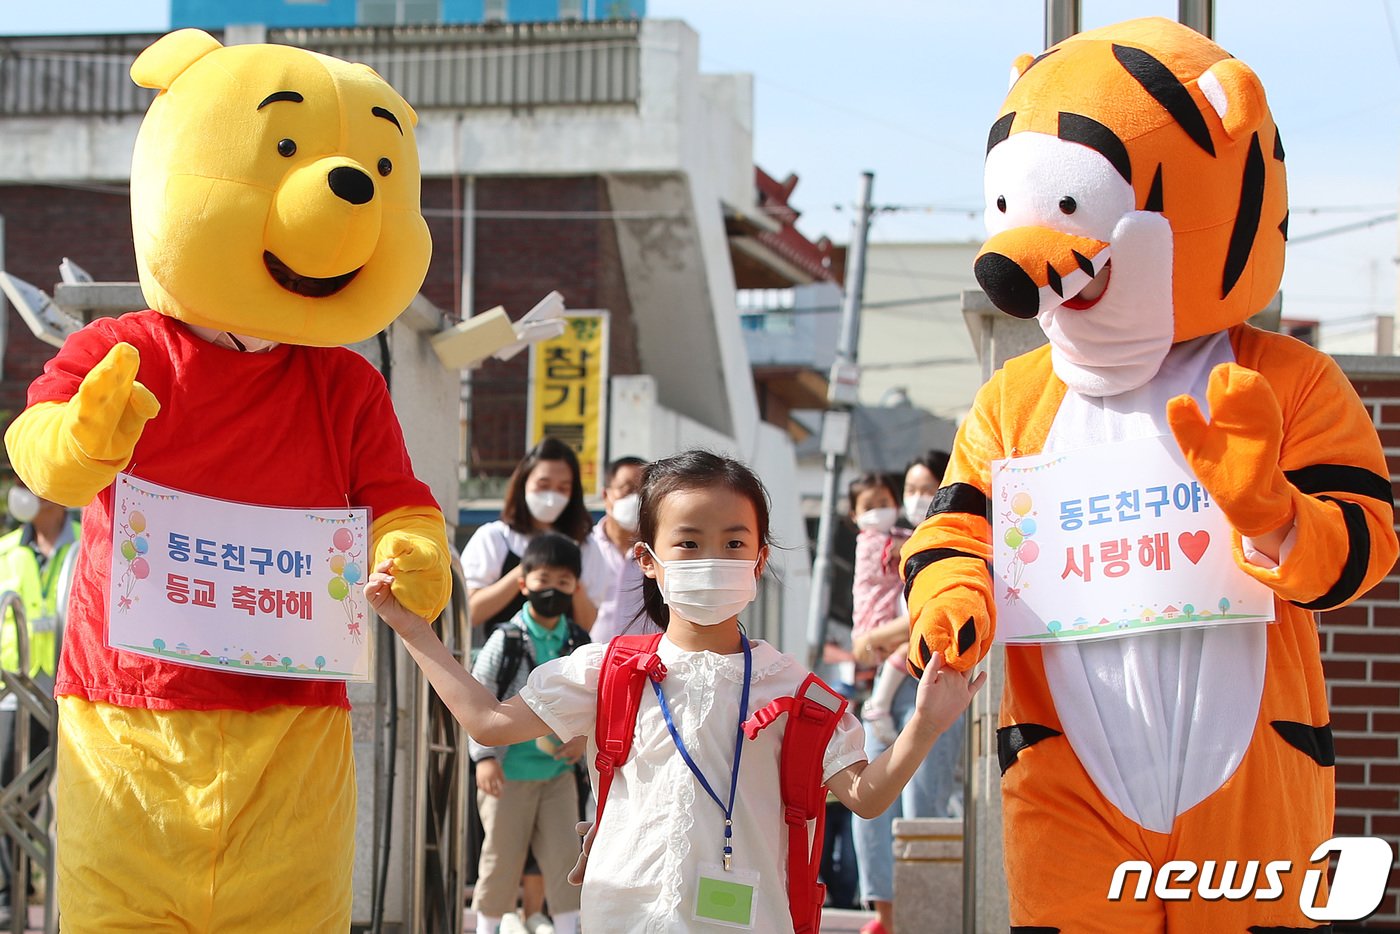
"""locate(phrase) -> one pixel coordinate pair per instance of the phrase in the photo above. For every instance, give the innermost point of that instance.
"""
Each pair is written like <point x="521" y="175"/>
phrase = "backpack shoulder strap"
<point x="576" y="637"/>
<point x="627" y="665"/>
<point x="813" y="713"/>
<point x="513" y="652"/>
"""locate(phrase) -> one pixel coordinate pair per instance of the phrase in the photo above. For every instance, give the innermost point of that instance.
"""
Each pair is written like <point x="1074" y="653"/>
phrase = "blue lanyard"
<point x="738" y="750"/>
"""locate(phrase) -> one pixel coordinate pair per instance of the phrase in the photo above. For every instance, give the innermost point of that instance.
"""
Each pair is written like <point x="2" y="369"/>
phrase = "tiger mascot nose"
<point x="1027" y="270"/>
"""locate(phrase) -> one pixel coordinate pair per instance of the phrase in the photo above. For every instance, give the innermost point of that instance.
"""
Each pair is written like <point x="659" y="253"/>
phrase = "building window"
<point x="769" y="311"/>
<point x="495" y="11"/>
<point x="399" y="12"/>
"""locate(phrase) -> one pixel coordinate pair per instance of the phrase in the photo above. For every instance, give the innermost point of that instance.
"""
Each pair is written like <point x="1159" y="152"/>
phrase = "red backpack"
<point x="812" y="717"/>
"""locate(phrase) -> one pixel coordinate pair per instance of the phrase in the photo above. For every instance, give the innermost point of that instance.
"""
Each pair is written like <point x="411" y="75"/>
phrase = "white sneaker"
<point x="511" y="924"/>
<point x="539" y="924"/>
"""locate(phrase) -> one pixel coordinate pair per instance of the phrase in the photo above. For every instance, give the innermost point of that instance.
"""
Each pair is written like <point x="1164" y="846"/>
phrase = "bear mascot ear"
<point x="168" y="57"/>
<point x="1236" y="96"/>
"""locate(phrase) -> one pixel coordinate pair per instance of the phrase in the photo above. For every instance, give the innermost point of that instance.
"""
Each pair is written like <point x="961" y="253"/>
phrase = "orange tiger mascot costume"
<point x="1136" y="204"/>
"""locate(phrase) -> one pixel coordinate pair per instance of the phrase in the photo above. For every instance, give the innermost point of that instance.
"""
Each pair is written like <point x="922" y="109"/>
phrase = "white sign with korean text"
<point x="1112" y="541"/>
<point x="249" y="589"/>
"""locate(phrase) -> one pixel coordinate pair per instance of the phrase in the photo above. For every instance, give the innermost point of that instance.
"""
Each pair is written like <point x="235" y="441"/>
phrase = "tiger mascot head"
<point x="1135" y="198"/>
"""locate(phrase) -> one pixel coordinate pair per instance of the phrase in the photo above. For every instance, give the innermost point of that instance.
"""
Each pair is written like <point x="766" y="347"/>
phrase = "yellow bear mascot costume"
<point x="1137" y="208"/>
<point x="275" y="206"/>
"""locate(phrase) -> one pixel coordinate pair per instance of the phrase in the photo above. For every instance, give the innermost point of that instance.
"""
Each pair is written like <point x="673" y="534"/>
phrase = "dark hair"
<point x="574" y="521"/>
<point x="617" y="464"/>
<point x="934" y="461"/>
<point x="690" y="470"/>
<point x="552" y="550"/>
<point x="871" y="481"/>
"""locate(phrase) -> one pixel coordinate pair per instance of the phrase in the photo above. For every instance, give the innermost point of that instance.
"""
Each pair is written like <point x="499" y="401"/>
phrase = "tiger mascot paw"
<point x="1235" y="455"/>
<point x="956" y="625"/>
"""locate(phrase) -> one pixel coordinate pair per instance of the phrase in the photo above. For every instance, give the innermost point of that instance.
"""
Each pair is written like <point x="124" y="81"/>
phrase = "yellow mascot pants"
<point x="204" y="821"/>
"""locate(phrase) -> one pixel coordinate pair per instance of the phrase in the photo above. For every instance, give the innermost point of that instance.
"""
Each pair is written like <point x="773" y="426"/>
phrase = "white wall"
<point x="893" y="338"/>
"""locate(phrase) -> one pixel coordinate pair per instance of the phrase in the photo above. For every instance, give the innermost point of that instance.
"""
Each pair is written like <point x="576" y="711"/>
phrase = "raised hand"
<point x="104" y="419"/>
<point x="1236" y="454"/>
<point x="944" y="694"/>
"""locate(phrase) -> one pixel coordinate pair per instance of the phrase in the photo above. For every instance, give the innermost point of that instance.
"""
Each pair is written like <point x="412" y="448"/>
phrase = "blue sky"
<point x="907" y="89"/>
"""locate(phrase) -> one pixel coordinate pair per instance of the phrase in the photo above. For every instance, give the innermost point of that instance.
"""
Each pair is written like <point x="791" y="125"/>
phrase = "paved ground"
<point x="834" y="921"/>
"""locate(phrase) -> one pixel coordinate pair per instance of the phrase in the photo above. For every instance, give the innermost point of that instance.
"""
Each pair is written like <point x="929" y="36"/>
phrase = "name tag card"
<point x="251" y="589"/>
<point x="1112" y="541"/>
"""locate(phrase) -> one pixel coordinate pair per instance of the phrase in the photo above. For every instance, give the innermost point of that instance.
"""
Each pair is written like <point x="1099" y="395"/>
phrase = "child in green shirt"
<point x="526" y="792"/>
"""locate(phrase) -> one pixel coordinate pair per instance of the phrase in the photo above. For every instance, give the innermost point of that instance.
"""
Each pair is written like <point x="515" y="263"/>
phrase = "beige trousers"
<point x="528" y="815"/>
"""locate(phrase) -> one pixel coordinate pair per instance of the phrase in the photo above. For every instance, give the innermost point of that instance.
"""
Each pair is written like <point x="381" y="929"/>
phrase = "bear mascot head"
<point x="275" y="192"/>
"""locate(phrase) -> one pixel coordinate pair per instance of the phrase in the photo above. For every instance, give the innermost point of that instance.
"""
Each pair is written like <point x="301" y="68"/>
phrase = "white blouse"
<point x="659" y="825"/>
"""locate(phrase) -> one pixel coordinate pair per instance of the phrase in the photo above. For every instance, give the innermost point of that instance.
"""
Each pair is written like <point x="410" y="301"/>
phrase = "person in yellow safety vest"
<point x="31" y="562"/>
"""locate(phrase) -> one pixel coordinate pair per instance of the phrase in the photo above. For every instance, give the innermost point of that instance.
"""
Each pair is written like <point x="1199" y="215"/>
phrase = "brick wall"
<point x="518" y="260"/>
<point x="1361" y="657"/>
<point x="91" y="225"/>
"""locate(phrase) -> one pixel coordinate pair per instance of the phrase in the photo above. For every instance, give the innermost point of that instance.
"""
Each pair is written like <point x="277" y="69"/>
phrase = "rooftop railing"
<point x="518" y="66"/>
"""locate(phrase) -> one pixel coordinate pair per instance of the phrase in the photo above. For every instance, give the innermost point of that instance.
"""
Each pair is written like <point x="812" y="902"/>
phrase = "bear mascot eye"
<point x="385" y="166"/>
<point x="287" y="147"/>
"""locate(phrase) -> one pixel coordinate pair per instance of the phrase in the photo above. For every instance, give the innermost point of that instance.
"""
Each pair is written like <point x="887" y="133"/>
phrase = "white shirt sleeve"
<point x="847" y="746"/>
<point x="563" y="692"/>
<point x="484" y="556"/>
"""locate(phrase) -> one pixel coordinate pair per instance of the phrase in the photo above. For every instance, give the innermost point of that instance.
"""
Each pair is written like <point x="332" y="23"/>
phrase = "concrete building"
<point x="913" y="339"/>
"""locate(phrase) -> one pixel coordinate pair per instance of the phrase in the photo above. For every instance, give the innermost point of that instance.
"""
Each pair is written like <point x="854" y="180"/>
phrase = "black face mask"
<point x="549" y="602"/>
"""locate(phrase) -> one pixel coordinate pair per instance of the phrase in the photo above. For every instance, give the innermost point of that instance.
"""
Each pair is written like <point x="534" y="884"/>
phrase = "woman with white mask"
<point x="543" y="494"/>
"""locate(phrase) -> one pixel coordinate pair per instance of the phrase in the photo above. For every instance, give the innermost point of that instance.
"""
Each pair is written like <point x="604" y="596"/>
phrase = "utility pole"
<point x="841" y="393"/>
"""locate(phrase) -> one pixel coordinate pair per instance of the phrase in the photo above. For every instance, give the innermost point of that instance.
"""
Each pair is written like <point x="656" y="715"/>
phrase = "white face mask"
<point x="24" y="505"/>
<point x="545" y="507"/>
<point x="707" y="591"/>
<point x="916" y="507"/>
<point x="877" y="520"/>
<point x="627" y="512"/>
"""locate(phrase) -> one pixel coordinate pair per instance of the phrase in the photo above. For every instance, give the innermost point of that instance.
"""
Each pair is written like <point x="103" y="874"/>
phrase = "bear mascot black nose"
<point x="351" y="184"/>
<point x="1006" y="284"/>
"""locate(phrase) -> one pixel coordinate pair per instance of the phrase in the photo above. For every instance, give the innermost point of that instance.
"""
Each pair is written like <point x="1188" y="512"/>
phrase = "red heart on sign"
<point x="1194" y="544"/>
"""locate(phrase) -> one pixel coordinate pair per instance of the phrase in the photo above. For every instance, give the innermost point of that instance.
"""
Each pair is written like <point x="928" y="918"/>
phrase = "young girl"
<point x="703" y="542"/>
<point x="876" y="590"/>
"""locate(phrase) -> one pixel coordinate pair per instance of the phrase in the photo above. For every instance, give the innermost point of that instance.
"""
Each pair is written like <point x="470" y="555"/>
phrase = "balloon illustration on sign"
<point x="344" y="564"/>
<point x="1024" y="551"/>
<point x="134" y="544"/>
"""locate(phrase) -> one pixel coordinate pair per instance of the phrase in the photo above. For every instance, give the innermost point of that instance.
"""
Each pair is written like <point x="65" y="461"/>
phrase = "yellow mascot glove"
<point x="70" y="451"/>
<point x="1236" y="454"/>
<point x="949" y="618"/>
<point x="415" y="539"/>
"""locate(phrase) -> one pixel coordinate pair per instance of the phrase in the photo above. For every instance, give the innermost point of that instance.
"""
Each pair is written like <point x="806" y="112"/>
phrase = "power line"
<point x="1344" y="228"/>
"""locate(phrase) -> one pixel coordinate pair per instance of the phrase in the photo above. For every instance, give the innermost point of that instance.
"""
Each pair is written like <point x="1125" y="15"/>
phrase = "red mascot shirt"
<point x="295" y="426"/>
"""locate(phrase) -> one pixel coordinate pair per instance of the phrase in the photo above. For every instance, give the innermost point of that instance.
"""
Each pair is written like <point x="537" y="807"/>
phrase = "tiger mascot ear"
<point x="1236" y="96"/>
<point x="1019" y="66"/>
